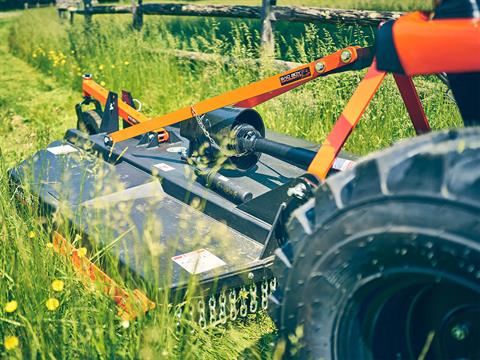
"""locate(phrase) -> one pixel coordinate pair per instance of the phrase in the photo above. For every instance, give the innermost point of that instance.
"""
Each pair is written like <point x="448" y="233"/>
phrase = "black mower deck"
<point x="137" y="204"/>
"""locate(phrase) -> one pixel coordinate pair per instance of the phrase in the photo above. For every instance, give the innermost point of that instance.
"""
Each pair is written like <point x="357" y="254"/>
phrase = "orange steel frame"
<point x="263" y="90"/>
<point x="256" y="93"/>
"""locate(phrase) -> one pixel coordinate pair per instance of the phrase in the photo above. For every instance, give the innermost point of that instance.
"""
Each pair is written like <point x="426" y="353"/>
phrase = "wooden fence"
<point x="268" y="13"/>
<point x="27" y="5"/>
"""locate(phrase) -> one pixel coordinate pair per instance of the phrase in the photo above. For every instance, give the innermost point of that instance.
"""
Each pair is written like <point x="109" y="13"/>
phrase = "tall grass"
<point x="120" y="57"/>
<point x="85" y="325"/>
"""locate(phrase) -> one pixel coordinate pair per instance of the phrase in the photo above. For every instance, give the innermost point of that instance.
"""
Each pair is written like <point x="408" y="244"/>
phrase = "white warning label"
<point x="62" y="149"/>
<point x="164" y="167"/>
<point x="198" y="261"/>
<point x="343" y="164"/>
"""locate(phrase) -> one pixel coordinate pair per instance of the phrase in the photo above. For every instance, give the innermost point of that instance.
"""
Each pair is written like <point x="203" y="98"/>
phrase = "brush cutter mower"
<point x="379" y="259"/>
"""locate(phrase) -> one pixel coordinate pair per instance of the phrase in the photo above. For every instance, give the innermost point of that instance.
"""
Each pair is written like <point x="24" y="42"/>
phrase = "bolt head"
<point x="107" y="140"/>
<point x="299" y="191"/>
<point x="346" y="56"/>
<point x="459" y="332"/>
<point x="320" y="66"/>
<point x="250" y="275"/>
<point x="87" y="76"/>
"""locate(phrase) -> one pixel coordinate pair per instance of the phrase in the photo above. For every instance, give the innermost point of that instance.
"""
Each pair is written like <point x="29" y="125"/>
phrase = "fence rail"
<point x="276" y="13"/>
<point x="268" y="13"/>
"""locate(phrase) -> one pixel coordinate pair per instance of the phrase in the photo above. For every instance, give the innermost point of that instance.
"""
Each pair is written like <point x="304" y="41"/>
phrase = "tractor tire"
<point x="90" y="122"/>
<point x="384" y="261"/>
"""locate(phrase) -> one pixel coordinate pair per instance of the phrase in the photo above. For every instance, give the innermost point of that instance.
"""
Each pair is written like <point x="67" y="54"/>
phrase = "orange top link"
<point x="276" y="84"/>
<point x="433" y="46"/>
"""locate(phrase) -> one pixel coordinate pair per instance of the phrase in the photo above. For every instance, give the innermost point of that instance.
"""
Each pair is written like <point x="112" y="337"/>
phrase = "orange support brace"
<point x="130" y="303"/>
<point x="347" y="121"/>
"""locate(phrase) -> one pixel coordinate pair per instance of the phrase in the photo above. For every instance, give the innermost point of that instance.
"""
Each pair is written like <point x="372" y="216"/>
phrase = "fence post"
<point x="137" y="14"/>
<point x="72" y="14"/>
<point x="87" y="5"/>
<point x="25" y="5"/>
<point x="267" y="39"/>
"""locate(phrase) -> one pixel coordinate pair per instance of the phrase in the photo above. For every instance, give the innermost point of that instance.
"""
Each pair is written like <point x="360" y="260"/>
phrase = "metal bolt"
<point x="460" y="332"/>
<point x="320" y="66"/>
<point x="299" y="191"/>
<point x="107" y="140"/>
<point x="87" y="76"/>
<point x="346" y="56"/>
<point x="250" y="275"/>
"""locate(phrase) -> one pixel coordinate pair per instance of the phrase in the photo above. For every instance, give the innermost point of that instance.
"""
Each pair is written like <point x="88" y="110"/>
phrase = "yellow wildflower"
<point x="101" y="67"/>
<point x="112" y="66"/>
<point x="57" y="285"/>
<point x="34" y="55"/>
<point x="31" y="234"/>
<point x="11" y="342"/>
<point x="126" y="63"/>
<point x="49" y="245"/>
<point x="125" y="324"/>
<point x="63" y="62"/>
<point x="102" y="83"/>
<point x="82" y="252"/>
<point x="11" y="306"/>
<point x="52" y="304"/>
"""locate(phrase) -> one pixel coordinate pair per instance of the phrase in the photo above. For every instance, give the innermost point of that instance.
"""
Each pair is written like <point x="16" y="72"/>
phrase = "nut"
<point x="346" y="56"/>
<point x="320" y="66"/>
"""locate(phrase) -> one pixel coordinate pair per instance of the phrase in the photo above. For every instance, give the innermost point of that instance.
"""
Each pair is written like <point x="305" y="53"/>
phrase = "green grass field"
<point x="41" y="61"/>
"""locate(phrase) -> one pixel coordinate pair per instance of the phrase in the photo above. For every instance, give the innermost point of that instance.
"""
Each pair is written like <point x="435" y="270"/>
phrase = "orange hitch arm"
<point x="248" y="95"/>
<point x="126" y="112"/>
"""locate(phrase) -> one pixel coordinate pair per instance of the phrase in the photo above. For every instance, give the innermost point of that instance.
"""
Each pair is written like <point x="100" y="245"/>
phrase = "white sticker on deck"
<point x="62" y="149"/>
<point x="164" y="167"/>
<point x="198" y="261"/>
<point x="343" y="164"/>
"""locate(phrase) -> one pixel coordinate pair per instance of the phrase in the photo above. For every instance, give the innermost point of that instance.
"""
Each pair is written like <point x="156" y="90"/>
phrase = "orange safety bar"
<point x="427" y="46"/>
<point x="248" y="95"/>
<point x="131" y="304"/>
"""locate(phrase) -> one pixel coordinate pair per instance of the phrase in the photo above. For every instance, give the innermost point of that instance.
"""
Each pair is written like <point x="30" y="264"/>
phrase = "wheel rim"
<point x="411" y="319"/>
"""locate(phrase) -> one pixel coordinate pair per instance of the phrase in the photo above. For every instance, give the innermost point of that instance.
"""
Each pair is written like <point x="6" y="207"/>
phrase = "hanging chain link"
<point x="201" y="124"/>
<point x="202" y="321"/>
<point x="222" y="313"/>
<point x="232" y="300"/>
<point x="243" y="302"/>
<point x="247" y="297"/>
<point x="264" y="294"/>
<point x="273" y="285"/>
<point x="201" y="120"/>
<point x="253" y="298"/>
<point x="212" y="303"/>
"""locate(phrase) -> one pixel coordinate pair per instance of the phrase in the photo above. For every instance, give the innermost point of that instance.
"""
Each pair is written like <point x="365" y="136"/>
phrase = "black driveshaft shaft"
<point x="294" y="155"/>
